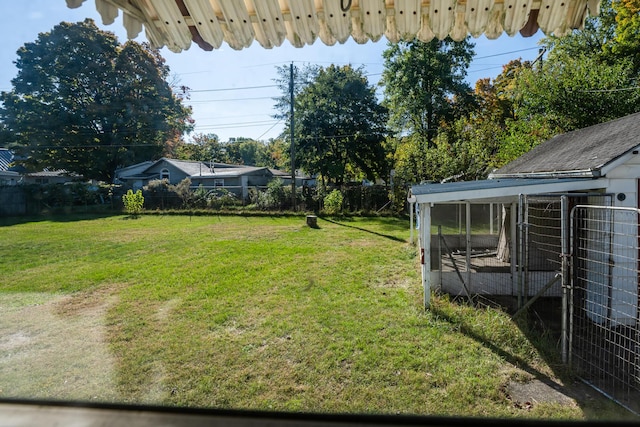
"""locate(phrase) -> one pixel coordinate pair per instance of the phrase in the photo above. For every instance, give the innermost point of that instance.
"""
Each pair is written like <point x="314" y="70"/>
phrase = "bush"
<point x="133" y="202"/>
<point x="274" y="198"/>
<point x="333" y="202"/>
<point x="221" y="198"/>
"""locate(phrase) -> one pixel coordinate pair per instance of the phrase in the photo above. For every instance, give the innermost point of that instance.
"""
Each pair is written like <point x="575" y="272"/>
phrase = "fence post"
<point x="564" y="236"/>
<point x="521" y="254"/>
<point x="468" y="244"/>
<point x="425" y="251"/>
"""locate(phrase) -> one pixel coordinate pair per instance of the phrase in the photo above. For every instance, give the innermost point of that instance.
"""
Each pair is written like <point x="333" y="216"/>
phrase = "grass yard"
<point x="258" y="313"/>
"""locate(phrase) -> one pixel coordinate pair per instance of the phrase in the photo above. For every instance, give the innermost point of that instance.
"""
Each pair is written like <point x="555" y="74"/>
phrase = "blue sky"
<point x="217" y="78"/>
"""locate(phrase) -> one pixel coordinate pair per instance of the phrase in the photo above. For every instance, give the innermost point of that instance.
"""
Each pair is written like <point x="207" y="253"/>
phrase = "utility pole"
<point x="292" y="148"/>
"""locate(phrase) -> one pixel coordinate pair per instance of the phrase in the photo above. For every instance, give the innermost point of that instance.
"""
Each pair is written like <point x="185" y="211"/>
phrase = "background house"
<point x="7" y="177"/>
<point x="234" y="178"/>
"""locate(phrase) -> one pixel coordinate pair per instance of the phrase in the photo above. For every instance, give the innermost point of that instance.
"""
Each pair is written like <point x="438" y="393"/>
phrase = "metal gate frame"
<point x="604" y="323"/>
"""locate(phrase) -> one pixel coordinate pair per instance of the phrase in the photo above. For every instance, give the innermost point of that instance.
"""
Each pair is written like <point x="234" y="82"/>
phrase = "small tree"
<point x="133" y="203"/>
<point x="333" y="202"/>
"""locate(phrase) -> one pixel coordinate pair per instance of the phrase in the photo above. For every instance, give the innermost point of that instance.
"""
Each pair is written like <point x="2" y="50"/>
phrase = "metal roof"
<point x="178" y="23"/>
<point x="6" y="157"/>
<point x="500" y="190"/>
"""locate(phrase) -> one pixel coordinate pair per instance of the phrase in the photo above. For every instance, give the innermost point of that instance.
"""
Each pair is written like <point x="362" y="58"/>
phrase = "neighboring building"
<point x="7" y="177"/>
<point x="234" y="178"/>
<point x="50" y="177"/>
<point x="6" y="158"/>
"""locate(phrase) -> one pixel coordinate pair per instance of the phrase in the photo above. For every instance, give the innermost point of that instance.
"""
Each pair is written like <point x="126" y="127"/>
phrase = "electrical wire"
<point x="268" y="130"/>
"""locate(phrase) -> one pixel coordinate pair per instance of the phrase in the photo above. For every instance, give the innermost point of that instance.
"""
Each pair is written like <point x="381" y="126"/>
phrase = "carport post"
<point x="425" y="251"/>
<point x="412" y="203"/>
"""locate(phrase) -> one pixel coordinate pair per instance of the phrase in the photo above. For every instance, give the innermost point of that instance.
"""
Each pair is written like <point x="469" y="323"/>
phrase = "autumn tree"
<point x="87" y="104"/>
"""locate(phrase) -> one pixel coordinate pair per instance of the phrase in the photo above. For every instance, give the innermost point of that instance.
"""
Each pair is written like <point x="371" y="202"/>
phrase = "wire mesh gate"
<point x="604" y="331"/>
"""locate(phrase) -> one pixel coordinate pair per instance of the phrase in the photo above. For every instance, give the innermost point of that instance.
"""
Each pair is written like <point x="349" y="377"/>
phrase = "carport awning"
<point x="500" y="190"/>
<point x="176" y="23"/>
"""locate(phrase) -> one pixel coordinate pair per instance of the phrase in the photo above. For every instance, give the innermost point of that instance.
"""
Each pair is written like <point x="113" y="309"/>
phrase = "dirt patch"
<point x="54" y="346"/>
<point x="526" y="395"/>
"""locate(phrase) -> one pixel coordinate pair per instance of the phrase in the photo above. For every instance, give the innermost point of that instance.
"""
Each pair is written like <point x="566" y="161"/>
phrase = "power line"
<point x="267" y="131"/>
<point x="231" y="100"/>
<point x="608" y="90"/>
<point x="209" y="127"/>
<point x="243" y="123"/>
<point x="229" y="89"/>
<point x="506" y="53"/>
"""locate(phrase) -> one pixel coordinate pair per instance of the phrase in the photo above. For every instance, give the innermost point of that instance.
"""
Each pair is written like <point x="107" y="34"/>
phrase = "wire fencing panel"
<point x="604" y="334"/>
<point x="542" y="247"/>
<point x="468" y="258"/>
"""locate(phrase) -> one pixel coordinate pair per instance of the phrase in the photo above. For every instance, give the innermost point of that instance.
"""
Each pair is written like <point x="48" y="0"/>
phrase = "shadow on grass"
<point x="544" y="340"/>
<point x="62" y="217"/>
<point x="386" y="236"/>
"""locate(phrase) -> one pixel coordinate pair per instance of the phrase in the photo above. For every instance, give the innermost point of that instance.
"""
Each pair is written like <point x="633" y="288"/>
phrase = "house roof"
<point x="6" y="157"/>
<point x="178" y="23"/>
<point x="53" y="173"/>
<point x="500" y="190"/>
<point x="588" y="152"/>
<point x="189" y="167"/>
<point x="194" y="169"/>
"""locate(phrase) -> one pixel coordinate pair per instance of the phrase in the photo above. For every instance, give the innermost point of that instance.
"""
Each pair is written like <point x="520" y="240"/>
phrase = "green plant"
<point x="133" y="202"/>
<point x="333" y="202"/>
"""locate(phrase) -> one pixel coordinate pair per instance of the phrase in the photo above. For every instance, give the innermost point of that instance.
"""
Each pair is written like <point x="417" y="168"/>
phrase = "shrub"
<point x="274" y="197"/>
<point x="333" y="202"/>
<point x="183" y="190"/>
<point x="221" y="198"/>
<point x="133" y="202"/>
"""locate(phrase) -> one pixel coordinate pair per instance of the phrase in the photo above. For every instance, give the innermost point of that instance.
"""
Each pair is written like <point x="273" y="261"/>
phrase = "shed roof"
<point x="589" y="151"/>
<point x="176" y="23"/>
<point x="500" y="190"/>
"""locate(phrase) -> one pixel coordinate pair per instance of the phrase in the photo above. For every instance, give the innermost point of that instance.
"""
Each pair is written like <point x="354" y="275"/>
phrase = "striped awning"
<point x="177" y="23"/>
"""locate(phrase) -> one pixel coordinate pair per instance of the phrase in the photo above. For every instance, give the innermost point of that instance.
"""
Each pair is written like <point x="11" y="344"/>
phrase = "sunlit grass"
<point x="260" y="313"/>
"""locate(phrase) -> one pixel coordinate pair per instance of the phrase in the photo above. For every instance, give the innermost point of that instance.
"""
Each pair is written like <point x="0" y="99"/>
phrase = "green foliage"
<point x="333" y="202"/>
<point x="221" y="199"/>
<point x="133" y="202"/>
<point x="340" y="127"/>
<point x="421" y="79"/>
<point x="239" y="151"/>
<point x="626" y="43"/>
<point x="86" y="104"/>
<point x="274" y="197"/>
<point x="573" y="92"/>
<point x="184" y="192"/>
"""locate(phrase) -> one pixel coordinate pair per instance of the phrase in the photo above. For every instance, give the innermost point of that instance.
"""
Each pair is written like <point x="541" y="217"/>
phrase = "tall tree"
<point x="84" y="103"/>
<point x="626" y="43"/>
<point x="340" y="127"/>
<point x="202" y="147"/>
<point x="425" y="85"/>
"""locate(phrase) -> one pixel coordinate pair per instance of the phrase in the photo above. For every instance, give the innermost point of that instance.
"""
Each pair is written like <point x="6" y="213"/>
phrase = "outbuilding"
<point x="527" y="206"/>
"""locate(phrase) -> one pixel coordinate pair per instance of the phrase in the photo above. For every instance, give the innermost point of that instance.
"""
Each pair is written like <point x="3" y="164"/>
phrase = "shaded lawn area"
<point x="259" y="313"/>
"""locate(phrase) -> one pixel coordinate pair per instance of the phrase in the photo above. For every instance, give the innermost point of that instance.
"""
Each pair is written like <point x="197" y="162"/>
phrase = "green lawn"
<point x="256" y="313"/>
